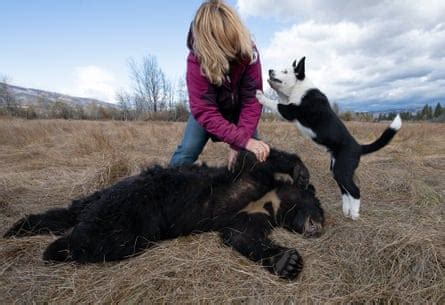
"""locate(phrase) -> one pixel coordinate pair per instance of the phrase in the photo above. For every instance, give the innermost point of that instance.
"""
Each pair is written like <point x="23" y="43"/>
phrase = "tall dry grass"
<point x="394" y="254"/>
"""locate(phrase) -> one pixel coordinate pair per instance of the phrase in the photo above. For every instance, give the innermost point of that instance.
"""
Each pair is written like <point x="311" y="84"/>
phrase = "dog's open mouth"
<point x="275" y="80"/>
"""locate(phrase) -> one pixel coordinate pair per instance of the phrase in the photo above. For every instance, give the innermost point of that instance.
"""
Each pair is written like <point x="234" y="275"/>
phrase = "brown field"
<point x="394" y="254"/>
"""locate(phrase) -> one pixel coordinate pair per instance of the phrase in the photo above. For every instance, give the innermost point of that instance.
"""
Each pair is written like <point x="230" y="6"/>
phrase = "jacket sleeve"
<point x="204" y="108"/>
<point x="251" y="81"/>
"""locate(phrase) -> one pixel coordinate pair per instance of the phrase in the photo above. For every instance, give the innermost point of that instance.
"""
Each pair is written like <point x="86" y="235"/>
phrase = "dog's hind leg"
<point x="355" y="207"/>
<point x="351" y="198"/>
<point x="343" y="174"/>
<point x="248" y="235"/>
<point x="55" y="221"/>
<point x="346" y="204"/>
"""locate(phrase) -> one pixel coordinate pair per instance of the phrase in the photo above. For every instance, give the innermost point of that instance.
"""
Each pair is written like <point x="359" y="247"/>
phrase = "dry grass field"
<point x="394" y="254"/>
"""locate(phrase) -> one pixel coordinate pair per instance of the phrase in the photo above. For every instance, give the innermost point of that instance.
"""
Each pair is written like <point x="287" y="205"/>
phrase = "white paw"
<point x="355" y="208"/>
<point x="260" y="96"/>
<point x="346" y="206"/>
<point x="351" y="207"/>
<point x="355" y="216"/>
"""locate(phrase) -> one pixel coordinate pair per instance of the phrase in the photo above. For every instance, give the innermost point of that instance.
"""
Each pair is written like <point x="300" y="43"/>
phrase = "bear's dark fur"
<point x="164" y="203"/>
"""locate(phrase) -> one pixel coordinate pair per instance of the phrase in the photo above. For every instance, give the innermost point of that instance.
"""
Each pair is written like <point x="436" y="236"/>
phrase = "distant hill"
<point x="388" y="106"/>
<point x="28" y="97"/>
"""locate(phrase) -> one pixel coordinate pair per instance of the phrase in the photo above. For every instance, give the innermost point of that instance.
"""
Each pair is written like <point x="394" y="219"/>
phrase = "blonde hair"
<point x="219" y="37"/>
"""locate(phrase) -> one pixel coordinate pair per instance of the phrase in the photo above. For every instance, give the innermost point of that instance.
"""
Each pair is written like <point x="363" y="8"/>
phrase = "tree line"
<point x="427" y="113"/>
<point x="154" y="97"/>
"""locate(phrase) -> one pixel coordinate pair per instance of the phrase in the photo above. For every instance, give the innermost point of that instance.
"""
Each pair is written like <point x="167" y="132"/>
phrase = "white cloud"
<point x="93" y="82"/>
<point x="360" y="51"/>
<point x="428" y="11"/>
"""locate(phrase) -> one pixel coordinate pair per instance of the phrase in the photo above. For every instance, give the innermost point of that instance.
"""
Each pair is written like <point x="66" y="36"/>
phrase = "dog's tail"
<point x="385" y="138"/>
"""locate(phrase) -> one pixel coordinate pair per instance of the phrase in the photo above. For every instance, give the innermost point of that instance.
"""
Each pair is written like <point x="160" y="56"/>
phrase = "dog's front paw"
<point x="260" y="96"/>
<point x="286" y="264"/>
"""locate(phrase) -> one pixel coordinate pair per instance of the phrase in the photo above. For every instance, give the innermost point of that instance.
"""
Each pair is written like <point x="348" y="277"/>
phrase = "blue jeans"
<point x="193" y="142"/>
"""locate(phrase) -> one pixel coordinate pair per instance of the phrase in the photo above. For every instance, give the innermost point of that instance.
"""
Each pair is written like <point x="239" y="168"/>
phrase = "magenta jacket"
<point x="230" y="112"/>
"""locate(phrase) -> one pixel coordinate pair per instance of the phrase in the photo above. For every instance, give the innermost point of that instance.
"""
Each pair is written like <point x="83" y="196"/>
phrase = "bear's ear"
<point x="299" y="69"/>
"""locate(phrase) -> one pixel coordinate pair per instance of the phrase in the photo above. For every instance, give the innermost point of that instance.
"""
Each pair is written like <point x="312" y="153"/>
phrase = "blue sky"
<point x="54" y="45"/>
<point x="48" y="41"/>
<point x="361" y="52"/>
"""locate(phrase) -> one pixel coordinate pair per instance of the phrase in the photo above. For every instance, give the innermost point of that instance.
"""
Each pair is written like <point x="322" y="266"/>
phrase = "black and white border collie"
<point x="305" y="105"/>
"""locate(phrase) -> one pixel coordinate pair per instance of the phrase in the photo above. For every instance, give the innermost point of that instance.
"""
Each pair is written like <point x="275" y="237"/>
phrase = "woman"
<point x="223" y="74"/>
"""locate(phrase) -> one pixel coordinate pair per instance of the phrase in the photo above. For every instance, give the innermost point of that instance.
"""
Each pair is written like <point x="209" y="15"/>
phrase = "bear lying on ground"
<point x="163" y="203"/>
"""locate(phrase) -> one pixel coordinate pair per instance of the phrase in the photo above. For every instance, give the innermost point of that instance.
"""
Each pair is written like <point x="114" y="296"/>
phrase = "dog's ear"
<point x="299" y="69"/>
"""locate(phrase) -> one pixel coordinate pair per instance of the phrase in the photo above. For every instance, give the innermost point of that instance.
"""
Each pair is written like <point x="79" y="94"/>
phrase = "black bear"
<point x="163" y="203"/>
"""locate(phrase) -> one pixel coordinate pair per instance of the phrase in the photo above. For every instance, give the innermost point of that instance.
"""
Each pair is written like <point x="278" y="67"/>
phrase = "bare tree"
<point x="163" y="104"/>
<point x="7" y="99"/>
<point x="140" y="105"/>
<point x="148" y="79"/>
<point x="168" y="91"/>
<point x="182" y="92"/>
<point x="61" y="110"/>
<point x="124" y="102"/>
<point x="3" y="93"/>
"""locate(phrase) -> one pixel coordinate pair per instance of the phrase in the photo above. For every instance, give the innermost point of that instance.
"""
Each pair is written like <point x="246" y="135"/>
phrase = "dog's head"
<point x="300" y="211"/>
<point x="287" y="80"/>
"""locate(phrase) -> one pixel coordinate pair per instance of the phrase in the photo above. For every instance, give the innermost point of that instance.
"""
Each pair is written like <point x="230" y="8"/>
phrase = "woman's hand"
<point x="259" y="148"/>
<point x="233" y="155"/>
